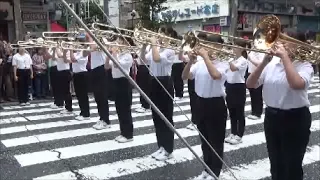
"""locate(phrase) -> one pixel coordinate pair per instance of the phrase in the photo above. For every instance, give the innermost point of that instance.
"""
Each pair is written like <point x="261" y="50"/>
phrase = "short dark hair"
<point x="215" y="38"/>
<point x="169" y="31"/>
<point x="202" y="36"/>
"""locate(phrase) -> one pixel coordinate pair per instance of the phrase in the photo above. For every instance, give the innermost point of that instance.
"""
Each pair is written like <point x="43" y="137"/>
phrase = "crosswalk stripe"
<point x="261" y="168"/>
<point x="139" y="164"/>
<point x="37" y="126"/>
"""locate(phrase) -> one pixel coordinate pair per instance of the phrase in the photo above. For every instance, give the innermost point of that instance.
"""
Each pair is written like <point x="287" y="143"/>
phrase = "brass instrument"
<point x="141" y="36"/>
<point x="39" y="42"/>
<point x="17" y="46"/>
<point x="191" y="42"/>
<point x="85" y="46"/>
<point x="71" y="36"/>
<point x="267" y="34"/>
<point x="110" y="33"/>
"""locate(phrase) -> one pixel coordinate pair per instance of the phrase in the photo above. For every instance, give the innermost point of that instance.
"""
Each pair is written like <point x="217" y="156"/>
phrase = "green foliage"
<point x="148" y="9"/>
<point x="95" y="14"/>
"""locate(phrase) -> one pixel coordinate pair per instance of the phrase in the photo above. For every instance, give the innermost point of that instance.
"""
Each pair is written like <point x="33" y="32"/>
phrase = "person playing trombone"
<point x="160" y="61"/>
<point x="79" y="61"/>
<point x="123" y="89"/>
<point x="211" y="116"/>
<point x="287" y="116"/>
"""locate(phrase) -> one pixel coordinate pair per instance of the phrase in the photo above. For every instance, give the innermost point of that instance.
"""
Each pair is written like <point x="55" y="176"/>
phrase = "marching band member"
<point x="209" y="76"/>
<point x="23" y="73"/>
<point x="255" y="58"/>
<point x="64" y="75"/>
<point x="51" y="57"/>
<point x="80" y="80"/>
<point x="191" y="88"/>
<point x="99" y="85"/>
<point x="177" y="69"/>
<point x="287" y="117"/>
<point x="123" y="90"/>
<point x="143" y="80"/>
<point x="161" y="60"/>
<point x="236" y="95"/>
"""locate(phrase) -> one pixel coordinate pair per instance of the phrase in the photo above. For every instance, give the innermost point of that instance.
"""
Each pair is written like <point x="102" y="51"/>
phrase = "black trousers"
<point x="54" y="83"/>
<point x="64" y="88"/>
<point x="193" y="100"/>
<point x="236" y="99"/>
<point x="123" y="102"/>
<point x="100" y="89"/>
<point x="211" y="121"/>
<point x="162" y="100"/>
<point x="80" y="82"/>
<point x="144" y="81"/>
<point x="287" y="134"/>
<point x="24" y="81"/>
<point x="256" y="101"/>
<point x="177" y="69"/>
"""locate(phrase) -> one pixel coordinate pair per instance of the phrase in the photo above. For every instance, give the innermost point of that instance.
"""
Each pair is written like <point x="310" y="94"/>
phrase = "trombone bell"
<point x="267" y="32"/>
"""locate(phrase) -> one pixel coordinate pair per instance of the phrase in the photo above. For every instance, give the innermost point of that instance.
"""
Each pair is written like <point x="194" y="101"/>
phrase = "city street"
<point x="39" y="143"/>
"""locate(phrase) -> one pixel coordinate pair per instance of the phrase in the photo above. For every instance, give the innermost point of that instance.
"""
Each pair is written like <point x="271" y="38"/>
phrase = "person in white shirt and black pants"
<point x="64" y="76"/>
<point x="100" y="85"/>
<point x="22" y="71"/>
<point x="255" y="58"/>
<point x="123" y="90"/>
<point x="144" y="82"/>
<point x="161" y="61"/>
<point x="177" y="69"/>
<point x="80" y="80"/>
<point x="287" y="116"/>
<point x="236" y="95"/>
<point x="210" y="77"/>
<point x="54" y="80"/>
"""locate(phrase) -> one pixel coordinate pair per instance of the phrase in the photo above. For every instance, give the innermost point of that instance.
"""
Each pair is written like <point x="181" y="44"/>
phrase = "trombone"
<point x="17" y="46"/>
<point x="191" y="42"/>
<point x="61" y="35"/>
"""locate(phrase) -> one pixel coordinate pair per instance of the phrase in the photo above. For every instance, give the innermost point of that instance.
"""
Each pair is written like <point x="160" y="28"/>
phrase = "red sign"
<point x="212" y="28"/>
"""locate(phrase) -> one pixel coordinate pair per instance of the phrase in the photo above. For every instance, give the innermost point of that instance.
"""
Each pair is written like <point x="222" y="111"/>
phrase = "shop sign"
<point x="186" y="10"/>
<point x="34" y="16"/>
<point x="284" y="8"/>
<point x="212" y="28"/>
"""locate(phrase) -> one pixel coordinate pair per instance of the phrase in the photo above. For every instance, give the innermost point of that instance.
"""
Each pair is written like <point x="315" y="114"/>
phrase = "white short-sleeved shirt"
<point x="61" y="65"/>
<point x="276" y="89"/>
<point x="22" y="61"/>
<point x="176" y="59"/>
<point x="164" y="67"/>
<point x="256" y="57"/>
<point x="205" y="86"/>
<point x="52" y="63"/>
<point x="98" y="58"/>
<point x="234" y="77"/>
<point x="125" y="59"/>
<point x="81" y="64"/>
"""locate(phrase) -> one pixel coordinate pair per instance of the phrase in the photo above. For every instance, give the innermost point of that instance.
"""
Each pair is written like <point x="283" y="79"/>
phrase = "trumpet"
<point x="191" y="42"/>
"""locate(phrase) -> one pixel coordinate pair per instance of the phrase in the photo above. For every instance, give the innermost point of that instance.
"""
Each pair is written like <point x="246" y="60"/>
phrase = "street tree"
<point x="148" y="11"/>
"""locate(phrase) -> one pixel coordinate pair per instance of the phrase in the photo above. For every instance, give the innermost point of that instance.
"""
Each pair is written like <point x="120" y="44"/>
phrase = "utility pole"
<point x="234" y="17"/>
<point x="106" y="8"/>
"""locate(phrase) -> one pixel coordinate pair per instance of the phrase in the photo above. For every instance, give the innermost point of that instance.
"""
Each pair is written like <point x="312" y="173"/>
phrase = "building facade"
<point x="208" y="15"/>
<point x="297" y="16"/>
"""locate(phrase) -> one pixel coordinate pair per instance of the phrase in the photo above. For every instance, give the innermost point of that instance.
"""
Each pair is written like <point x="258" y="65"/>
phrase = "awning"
<point x="55" y="27"/>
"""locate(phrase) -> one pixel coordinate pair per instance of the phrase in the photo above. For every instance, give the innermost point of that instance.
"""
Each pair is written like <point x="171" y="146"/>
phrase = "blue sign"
<point x="207" y="10"/>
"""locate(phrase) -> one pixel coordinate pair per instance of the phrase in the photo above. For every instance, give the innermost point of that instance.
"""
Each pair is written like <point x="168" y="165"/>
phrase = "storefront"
<point x="197" y="15"/>
<point x="34" y="21"/>
<point x="251" y="11"/>
<point x="6" y="21"/>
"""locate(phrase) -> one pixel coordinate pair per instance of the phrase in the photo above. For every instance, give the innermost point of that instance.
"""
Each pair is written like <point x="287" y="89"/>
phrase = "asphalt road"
<point x="39" y="143"/>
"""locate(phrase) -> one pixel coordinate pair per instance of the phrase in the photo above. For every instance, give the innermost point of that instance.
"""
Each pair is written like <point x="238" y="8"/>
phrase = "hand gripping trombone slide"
<point x="155" y="108"/>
